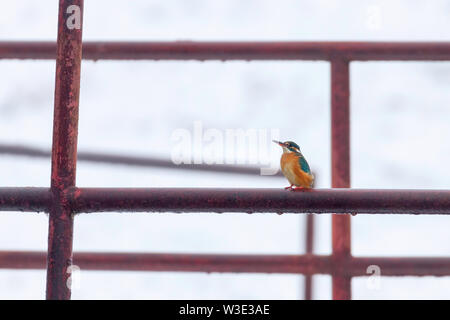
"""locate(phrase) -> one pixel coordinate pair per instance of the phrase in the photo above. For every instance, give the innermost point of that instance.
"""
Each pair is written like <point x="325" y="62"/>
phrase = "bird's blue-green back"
<point x="304" y="164"/>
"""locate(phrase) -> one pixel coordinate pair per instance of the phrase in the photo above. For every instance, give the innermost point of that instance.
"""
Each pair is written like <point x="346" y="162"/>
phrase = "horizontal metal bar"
<point x="190" y="50"/>
<point x="401" y="266"/>
<point x="118" y="159"/>
<point x="235" y="263"/>
<point x="261" y="200"/>
<point x="361" y="201"/>
<point x="174" y="262"/>
<point x="25" y="199"/>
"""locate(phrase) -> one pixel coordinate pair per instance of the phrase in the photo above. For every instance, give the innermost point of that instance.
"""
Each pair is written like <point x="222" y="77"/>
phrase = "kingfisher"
<point x="295" y="167"/>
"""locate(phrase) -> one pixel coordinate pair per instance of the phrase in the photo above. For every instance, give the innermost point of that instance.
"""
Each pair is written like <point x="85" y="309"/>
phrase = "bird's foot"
<point x="299" y="189"/>
<point x="289" y="188"/>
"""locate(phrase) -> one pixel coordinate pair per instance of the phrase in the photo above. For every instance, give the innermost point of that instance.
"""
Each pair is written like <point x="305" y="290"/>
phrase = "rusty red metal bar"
<point x="342" y="201"/>
<point x="261" y="200"/>
<point x="118" y="159"/>
<point x="235" y="263"/>
<point x="191" y="50"/>
<point x="64" y="150"/>
<point x="27" y="199"/>
<point x="340" y="168"/>
<point x="309" y="248"/>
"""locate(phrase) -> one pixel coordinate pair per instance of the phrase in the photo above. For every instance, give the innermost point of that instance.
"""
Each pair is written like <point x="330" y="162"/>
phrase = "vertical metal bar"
<point x="340" y="166"/>
<point x="64" y="150"/>
<point x="309" y="247"/>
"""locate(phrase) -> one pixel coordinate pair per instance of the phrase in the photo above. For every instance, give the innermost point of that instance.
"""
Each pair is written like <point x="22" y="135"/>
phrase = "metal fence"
<point x="63" y="200"/>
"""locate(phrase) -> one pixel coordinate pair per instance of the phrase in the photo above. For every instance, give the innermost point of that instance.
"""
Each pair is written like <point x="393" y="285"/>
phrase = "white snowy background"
<point x="400" y="132"/>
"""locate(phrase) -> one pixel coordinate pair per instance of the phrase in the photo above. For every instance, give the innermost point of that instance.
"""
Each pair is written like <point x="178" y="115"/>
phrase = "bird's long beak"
<point x="278" y="142"/>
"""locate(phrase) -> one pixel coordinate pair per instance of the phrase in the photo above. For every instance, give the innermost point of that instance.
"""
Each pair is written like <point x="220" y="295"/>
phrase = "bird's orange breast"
<point x="292" y="171"/>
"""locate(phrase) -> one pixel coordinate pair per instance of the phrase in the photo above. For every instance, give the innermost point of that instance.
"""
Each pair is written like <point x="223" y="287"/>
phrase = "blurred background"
<point x="400" y="115"/>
